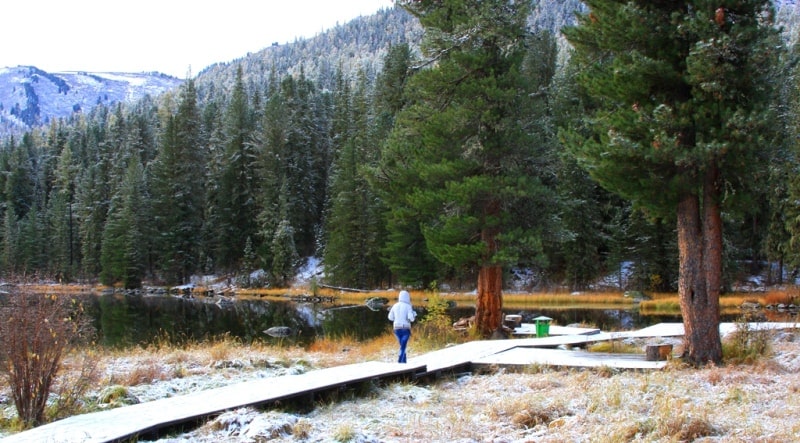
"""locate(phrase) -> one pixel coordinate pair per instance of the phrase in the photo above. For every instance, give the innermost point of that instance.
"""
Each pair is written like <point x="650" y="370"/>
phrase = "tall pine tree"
<point x="354" y="224"/>
<point x="465" y="158"/>
<point x="178" y="191"/>
<point x="125" y="243"/>
<point x="238" y="184"/>
<point x="680" y="93"/>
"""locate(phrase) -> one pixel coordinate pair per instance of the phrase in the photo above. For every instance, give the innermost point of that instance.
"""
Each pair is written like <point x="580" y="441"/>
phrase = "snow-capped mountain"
<point x="31" y="97"/>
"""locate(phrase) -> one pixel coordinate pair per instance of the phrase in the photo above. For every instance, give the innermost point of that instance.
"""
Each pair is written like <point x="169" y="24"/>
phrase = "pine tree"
<point x="403" y="248"/>
<point x="270" y="139"/>
<point x="9" y="254"/>
<point x="354" y="225"/>
<point x="62" y="222"/>
<point x="784" y="213"/>
<point x="679" y="95"/>
<point x="284" y="254"/>
<point x="93" y="190"/>
<point x="306" y="161"/>
<point x="238" y="184"/>
<point x="178" y="191"/>
<point x="465" y="161"/>
<point x="294" y="159"/>
<point x="124" y="244"/>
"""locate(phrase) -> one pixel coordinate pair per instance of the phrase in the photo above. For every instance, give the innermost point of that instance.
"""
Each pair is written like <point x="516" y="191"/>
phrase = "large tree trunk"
<point x="699" y="283"/>
<point x="489" y="307"/>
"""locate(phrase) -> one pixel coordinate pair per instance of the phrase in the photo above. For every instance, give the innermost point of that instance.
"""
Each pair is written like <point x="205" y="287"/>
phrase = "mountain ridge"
<point x="31" y="97"/>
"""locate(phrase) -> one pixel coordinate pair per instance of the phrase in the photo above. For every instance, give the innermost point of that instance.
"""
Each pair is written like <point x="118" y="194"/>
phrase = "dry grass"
<point x="373" y="349"/>
<point x="735" y="402"/>
<point x="568" y="299"/>
<point x="512" y="300"/>
<point x="774" y="297"/>
<point x="616" y="347"/>
<point x="529" y="411"/>
<point x="669" y="304"/>
<point x="144" y="372"/>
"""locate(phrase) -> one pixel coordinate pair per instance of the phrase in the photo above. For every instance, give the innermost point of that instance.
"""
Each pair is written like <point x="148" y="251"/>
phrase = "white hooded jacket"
<point x="402" y="313"/>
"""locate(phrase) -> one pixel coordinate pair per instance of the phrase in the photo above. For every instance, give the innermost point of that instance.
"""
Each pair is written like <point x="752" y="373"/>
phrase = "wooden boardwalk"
<point x="526" y="357"/>
<point x="128" y="422"/>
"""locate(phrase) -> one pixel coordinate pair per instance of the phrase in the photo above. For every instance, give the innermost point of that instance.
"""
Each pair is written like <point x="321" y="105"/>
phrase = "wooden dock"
<point x="129" y="422"/>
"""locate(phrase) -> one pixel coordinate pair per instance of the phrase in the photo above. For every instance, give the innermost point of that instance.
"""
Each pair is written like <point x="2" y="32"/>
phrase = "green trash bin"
<point x="542" y="326"/>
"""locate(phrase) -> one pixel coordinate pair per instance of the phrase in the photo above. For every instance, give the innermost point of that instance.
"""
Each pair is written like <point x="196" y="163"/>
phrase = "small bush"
<point x="529" y="411"/>
<point x="435" y="330"/>
<point x="746" y="345"/>
<point x="112" y="394"/>
<point x="535" y="415"/>
<point x="302" y="429"/>
<point x="344" y="433"/>
<point x="37" y="331"/>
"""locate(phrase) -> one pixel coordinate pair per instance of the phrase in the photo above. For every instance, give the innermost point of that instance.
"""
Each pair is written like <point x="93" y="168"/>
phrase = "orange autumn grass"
<point x="660" y="303"/>
<point x="509" y="299"/>
<point x="728" y="303"/>
<point x="358" y="349"/>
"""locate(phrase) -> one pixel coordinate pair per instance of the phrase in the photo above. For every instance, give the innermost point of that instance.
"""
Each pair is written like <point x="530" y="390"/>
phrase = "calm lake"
<point x="124" y="319"/>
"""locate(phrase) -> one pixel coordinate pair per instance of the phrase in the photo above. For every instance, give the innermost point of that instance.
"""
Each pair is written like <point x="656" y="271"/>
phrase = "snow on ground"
<point x="734" y="403"/>
<point x="312" y="269"/>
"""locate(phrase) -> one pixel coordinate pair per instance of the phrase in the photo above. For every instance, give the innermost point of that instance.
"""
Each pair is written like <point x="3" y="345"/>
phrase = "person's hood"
<point x="404" y="297"/>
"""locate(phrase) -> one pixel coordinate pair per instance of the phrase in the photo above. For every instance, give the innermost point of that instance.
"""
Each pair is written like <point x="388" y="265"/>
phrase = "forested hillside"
<point x="294" y="151"/>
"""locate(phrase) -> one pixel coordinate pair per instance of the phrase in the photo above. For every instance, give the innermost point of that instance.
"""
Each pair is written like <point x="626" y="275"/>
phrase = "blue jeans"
<point x="402" y="337"/>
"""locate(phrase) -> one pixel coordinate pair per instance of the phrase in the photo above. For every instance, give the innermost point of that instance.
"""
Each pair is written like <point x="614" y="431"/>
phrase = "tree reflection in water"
<point x="125" y="319"/>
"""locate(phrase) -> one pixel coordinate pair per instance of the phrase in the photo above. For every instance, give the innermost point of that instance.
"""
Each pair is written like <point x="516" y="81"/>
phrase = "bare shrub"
<point x="36" y="332"/>
<point x="71" y="387"/>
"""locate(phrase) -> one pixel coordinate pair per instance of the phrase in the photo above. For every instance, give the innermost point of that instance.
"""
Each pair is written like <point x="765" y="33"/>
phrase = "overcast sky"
<point x="169" y="36"/>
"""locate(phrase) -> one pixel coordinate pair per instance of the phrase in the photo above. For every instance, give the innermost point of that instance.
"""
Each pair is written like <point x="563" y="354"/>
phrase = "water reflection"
<point x="124" y="319"/>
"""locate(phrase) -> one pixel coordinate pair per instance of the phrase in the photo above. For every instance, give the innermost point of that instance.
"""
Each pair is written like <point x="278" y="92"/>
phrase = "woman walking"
<point x="402" y="314"/>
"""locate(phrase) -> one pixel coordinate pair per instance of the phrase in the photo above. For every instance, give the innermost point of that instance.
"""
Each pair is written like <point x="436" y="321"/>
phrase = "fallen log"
<point x="339" y="288"/>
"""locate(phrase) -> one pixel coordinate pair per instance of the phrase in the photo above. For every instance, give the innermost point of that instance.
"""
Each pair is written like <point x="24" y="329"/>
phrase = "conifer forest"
<point x="436" y="142"/>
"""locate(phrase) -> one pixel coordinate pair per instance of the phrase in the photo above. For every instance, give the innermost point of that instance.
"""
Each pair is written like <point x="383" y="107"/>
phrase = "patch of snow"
<point x="131" y="79"/>
<point x="618" y="279"/>
<point x="311" y="269"/>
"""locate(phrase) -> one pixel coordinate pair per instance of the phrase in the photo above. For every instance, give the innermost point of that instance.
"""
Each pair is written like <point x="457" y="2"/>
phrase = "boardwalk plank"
<point x="522" y="357"/>
<point x="130" y="421"/>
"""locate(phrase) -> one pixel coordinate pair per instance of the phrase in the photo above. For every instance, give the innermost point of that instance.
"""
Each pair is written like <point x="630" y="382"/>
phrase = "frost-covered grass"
<point x="756" y="401"/>
<point x="734" y="403"/>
